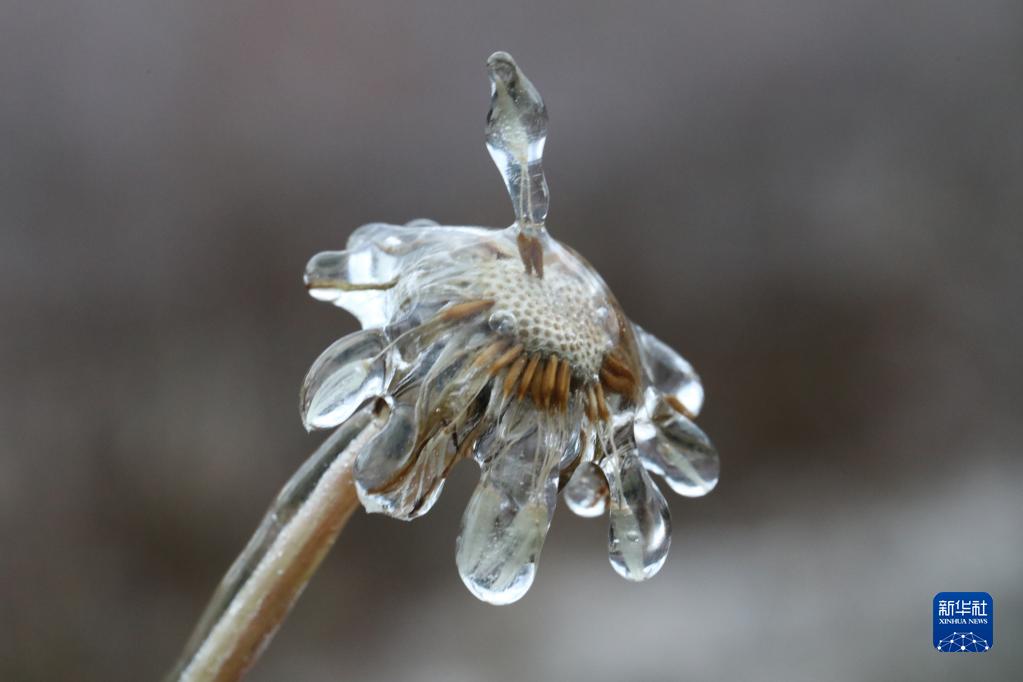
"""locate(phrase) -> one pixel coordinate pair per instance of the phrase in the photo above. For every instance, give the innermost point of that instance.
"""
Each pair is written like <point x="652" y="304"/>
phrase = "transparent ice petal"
<point x="385" y="456"/>
<point x="586" y="492"/>
<point x="403" y="470"/>
<point x="425" y="480"/>
<point x="507" y="518"/>
<point x="668" y="372"/>
<point x="513" y="422"/>
<point x="422" y="222"/>
<point x="395" y="477"/>
<point x="357" y="280"/>
<point x="453" y="381"/>
<point x="346" y="375"/>
<point x="366" y="266"/>
<point x="417" y="238"/>
<point x="392" y="239"/>
<point x="674" y="447"/>
<point x="410" y="359"/>
<point x="640" y="530"/>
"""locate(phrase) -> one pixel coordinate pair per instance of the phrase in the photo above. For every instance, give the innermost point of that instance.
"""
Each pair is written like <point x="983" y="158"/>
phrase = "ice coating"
<point x="505" y="347"/>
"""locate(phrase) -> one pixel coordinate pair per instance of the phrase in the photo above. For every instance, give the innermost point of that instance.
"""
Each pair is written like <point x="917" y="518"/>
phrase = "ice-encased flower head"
<point x="506" y="347"/>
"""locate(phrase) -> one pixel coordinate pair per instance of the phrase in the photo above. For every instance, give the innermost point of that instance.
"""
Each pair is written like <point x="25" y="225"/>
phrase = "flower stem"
<point x="268" y="576"/>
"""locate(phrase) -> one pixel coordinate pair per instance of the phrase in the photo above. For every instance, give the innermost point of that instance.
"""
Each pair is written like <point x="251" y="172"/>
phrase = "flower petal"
<point x="640" y="530"/>
<point x="416" y="236"/>
<point x="357" y="280"/>
<point x="674" y="447"/>
<point x="346" y="375"/>
<point x="668" y="372"/>
<point x="402" y="471"/>
<point x="586" y="492"/>
<point x="507" y="518"/>
<point x="395" y="477"/>
<point x="454" y="380"/>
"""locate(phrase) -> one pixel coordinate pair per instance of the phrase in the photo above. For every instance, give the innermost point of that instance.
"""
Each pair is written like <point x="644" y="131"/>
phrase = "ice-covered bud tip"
<point x="517" y="130"/>
<point x="516" y="133"/>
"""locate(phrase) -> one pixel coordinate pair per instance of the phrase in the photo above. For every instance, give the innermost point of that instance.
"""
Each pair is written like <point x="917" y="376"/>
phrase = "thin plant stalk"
<point x="268" y="576"/>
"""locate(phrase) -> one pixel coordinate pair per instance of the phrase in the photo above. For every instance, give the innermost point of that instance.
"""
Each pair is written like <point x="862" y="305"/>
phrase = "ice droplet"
<point x="503" y="322"/>
<point x="507" y="518"/>
<point x="640" y="530"/>
<point x="498" y="548"/>
<point x="586" y="492"/>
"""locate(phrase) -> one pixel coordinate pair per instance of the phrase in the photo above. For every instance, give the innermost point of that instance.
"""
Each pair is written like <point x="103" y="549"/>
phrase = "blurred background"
<point x="819" y="204"/>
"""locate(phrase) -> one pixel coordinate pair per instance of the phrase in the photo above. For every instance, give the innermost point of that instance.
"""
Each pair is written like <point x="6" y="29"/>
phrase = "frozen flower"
<point x="505" y="346"/>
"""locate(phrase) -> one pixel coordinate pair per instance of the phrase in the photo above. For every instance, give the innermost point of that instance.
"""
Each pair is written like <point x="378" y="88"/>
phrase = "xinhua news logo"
<point x="964" y="622"/>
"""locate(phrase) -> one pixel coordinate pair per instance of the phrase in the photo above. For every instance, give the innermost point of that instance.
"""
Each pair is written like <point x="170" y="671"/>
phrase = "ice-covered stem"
<point x="516" y="133"/>
<point x="268" y="576"/>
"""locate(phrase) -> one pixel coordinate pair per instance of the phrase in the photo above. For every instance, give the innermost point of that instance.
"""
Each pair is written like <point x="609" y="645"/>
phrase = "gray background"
<point x="818" y="203"/>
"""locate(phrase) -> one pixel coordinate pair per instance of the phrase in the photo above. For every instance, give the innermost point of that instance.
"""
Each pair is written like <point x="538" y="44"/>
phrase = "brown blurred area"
<point x="819" y="204"/>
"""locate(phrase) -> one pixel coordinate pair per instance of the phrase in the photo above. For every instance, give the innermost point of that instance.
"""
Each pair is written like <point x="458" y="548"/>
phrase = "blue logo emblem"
<point x="964" y="622"/>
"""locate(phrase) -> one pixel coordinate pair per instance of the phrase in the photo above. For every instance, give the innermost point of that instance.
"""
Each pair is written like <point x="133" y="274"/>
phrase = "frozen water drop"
<point x="586" y="491"/>
<point x="497" y="551"/>
<point x="640" y="530"/>
<point x="507" y="518"/>
<point x="503" y="322"/>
